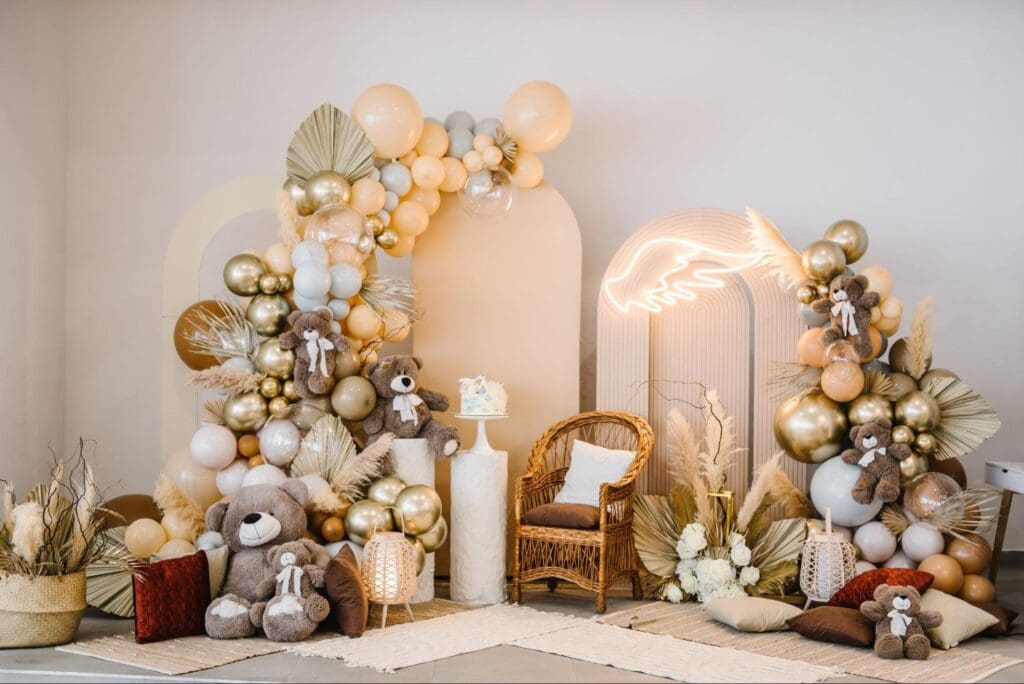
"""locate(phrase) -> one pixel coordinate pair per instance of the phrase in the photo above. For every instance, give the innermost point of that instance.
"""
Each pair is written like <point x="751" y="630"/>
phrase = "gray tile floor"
<point x="501" y="664"/>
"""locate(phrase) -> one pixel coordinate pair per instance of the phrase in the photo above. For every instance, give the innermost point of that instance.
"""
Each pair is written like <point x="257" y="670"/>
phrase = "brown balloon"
<point x="332" y="529"/>
<point x="126" y="509"/>
<point x="927" y="492"/>
<point x="188" y="325"/>
<point x="950" y="466"/>
<point x="898" y="358"/>
<point x="949" y="576"/>
<point x="977" y="589"/>
<point x="904" y="384"/>
<point x="973" y="553"/>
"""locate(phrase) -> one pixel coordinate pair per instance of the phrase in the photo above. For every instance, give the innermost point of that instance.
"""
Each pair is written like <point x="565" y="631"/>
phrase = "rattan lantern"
<point x="389" y="571"/>
<point x="828" y="563"/>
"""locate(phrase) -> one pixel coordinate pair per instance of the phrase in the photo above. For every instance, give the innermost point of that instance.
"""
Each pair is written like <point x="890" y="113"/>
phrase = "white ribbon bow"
<point x="869" y="456"/>
<point x="314" y="346"/>
<point x="290" y="578"/>
<point x="898" y="623"/>
<point x="846" y="311"/>
<point x="406" y="405"/>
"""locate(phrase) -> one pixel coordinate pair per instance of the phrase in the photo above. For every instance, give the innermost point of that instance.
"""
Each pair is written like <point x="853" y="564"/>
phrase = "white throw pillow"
<point x="751" y="614"/>
<point x="592" y="466"/>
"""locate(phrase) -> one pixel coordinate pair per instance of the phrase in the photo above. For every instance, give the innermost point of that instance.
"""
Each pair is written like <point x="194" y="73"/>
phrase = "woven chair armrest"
<point x="617" y="502"/>
<point x="535" y="490"/>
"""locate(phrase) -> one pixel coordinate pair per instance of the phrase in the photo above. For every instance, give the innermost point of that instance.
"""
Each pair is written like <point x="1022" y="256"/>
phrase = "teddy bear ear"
<point x="325" y="313"/>
<point x="372" y="367"/>
<point x="272" y="553"/>
<point x="297" y="490"/>
<point x="418" y="361"/>
<point x="854" y="431"/>
<point x="861" y="280"/>
<point x="294" y="316"/>
<point x="880" y="591"/>
<point x="884" y="423"/>
<point x="215" y="516"/>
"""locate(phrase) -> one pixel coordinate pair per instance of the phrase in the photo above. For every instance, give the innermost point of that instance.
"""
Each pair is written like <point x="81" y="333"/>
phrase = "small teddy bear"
<point x="849" y="304"/>
<point x="316" y="347"/>
<point x="404" y="408"/>
<point x="900" y="623"/>
<point x="296" y="608"/>
<point x="879" y="461"/>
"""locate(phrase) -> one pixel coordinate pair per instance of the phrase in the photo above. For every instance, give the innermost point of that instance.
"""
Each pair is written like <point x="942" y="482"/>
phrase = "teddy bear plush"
<point x="316" y="347"/>
<point x="257" y="518"/>
<point x="296" y="608"/>
<point x="900" y="623"/>
<point x="404" y="408"/>
<point x="879" y="461"/>
<point x="849" y="305"/>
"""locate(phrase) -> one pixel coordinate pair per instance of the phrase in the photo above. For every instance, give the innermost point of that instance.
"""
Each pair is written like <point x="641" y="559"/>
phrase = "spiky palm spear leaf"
<point x="894" y="518"/>
<point x="330" y="452"/>
<point x="779" y="255"/>
<point x="213" y="411"/>
<point x="655" y="534"/>
<point x="973" y="509"/>
<point x="966" y="418"/>
<point x="329" y="140"/>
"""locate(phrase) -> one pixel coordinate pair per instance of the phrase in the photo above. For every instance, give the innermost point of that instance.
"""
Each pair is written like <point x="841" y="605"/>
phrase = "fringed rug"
<point x="688" y="622"/>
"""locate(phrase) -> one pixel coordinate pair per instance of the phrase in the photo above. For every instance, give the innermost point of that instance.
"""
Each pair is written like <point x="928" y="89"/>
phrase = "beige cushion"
<point x="749" y="614"/>
<point x="960" y="620"/>
<point x="217" y="561"/>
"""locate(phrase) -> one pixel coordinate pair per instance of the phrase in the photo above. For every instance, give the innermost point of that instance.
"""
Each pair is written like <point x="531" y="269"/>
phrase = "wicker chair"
<point x="592" y="559"/>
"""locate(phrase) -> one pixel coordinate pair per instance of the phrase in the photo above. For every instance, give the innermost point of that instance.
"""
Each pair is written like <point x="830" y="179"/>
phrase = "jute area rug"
<point x="687" y="621"/>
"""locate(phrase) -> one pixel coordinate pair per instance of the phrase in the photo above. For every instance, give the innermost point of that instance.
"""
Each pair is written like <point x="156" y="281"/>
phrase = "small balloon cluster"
<point x="886" y="432"/>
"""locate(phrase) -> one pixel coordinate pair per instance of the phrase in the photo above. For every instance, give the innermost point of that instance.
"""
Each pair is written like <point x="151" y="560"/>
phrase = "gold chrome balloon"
<point x="284" y="282"/>
<point x="823" y="260"/>
<point x="328" y="189"/>
<point x="245" y="412"/>
<point x="274" y="361"/>
<point x="270" y="387"/>
<point x="307" y="411"/>
<point x="918" y="411"/>
<point x="912" y="466"/>
<point x="387" y="239"/>
<point x="925" y="442"/>
<point x="806" y="293"/>
<point x="288" y="390"/>
<point x="347" y="362"/>
<point x="904" y="383"/>
<point x="436" y="536"/>
<point x="420" y="507"/>
<point x="901" y="434"/>
<point x="279" y="407"/>
<point x="366" y="517"/>
<point x="822" y="290"/>
<point x="385" y="490"/>
<point x="270" y="283"/>
<point x="374" y="224"/>
<point x="242" y="274"/>
<point x="851" y="236"/>
<point x="811" y="429"/>
<point x="268" y="313"/>
<point x="297" y="192"/>
<point x="869" y="407"/>
<point x="419" y="552"/>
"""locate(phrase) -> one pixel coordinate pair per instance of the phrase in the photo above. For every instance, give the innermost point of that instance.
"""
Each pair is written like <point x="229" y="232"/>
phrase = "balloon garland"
<point x="844" y="387"/>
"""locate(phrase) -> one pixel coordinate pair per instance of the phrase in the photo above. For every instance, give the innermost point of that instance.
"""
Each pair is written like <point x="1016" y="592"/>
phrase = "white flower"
<point x="730" y="590"/>
<point x="683" y="550"/>
<point x="684" y="568"/>
<point x="712" y="575"/>
<point x="735" y="539"/>
<point x="673" y="593"/>
<point x="749" y="575"/>
<point x="694" y="536"/>
<point x="740" y="555"/>
<point x="689" y="584"/>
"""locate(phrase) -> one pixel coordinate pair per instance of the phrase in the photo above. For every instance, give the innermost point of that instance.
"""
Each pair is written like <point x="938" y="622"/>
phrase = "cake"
<point x="482" y="397"/>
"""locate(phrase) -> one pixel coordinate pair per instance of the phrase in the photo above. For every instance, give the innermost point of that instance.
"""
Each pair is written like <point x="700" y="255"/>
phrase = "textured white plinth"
<point x="415" y="465"/>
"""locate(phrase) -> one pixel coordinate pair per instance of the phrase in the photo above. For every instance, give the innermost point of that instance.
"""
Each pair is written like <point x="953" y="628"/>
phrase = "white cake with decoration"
<point x="482" y="397"/>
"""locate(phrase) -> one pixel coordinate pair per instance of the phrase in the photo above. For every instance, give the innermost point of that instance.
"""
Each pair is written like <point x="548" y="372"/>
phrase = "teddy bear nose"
<point x="252" y="518"/>
<point x="406" y="381"/>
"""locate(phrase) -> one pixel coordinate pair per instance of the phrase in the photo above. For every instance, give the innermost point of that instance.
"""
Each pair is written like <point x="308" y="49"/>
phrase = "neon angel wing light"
<point x="663" y="271"/>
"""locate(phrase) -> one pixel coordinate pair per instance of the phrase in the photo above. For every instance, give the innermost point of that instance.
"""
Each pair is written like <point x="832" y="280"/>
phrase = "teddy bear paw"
<point x="889" y="646"/>
<point x="450" y="446"/>
<point x="885" y="491"/>
<point x="228" y="618"/>
<point x="917" y="647"/>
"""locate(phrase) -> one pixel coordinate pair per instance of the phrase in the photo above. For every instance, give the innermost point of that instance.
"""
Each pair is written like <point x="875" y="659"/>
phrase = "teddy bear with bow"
<point x="879" y="461"/>
<point x="849" y="304"/>
<point x="316" y="347"/>
<point x="900" y="623"/>
<point x="296" y="608"/>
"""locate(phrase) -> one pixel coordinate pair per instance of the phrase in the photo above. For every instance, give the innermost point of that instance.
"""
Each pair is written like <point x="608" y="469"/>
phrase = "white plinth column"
<point x="414" y="464"/>
<point x="479" y="482"/>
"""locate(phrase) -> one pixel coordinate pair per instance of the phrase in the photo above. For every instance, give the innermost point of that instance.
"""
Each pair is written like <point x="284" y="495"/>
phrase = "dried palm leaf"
<point x="330" y="452"/>
<point x="213" y="411"/>
<point x="507" y="144"/>
<point x="684" y="505"/>
<point x="794" y="379"/>
<point x="877" y="382"/>
<point x="777" y="579"/>
<point x="655" y="534"/>
<point x="966" y="418"/>
<point x="919" y="341"/>
<point x="109" y="583"/>
<point x="226" y="335"/>
<point x="759" y="489"/>
<point x="895" y="518"/>
<point x="382" y="293"/>
<point x="288" y="219"/>
<point x="225" y="378"/>
<point x="782" y="260"/>
<point x="793" y="500"/>
<point x="329" y="140"/>
<point x="782" y="541"/>
<point x="973" y="509"/>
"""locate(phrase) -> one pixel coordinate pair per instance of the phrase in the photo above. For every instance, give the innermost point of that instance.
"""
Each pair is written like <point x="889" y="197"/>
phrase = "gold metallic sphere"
<point x="420" y="553"/>
<point x="374" y="224"/>
<point x="269" y="283"/>
<point x="925" y="442"/>
<point x="911" y="467"/>
<point x="823" y="260"/>
<point x="420" y="507"/>
<point x="806" y="294"/>
<point x="328" y="189"/>
<point x="268" y="313"/>
<point x="867" y="408"/>
<point x="274" y="361"/>
<point x="288" y="390"/>
<point x="822" y="290"/>
<point x="901" y="434"/>
<point x="851" y="236"/>
<point x="436" y="536"/>
<point x="242" y="274"/>
<point x="270" y="387"/>
<point x="811" y="429"/>
<point x="385" y="490"/>
<point x="918" y="411"/>
<point x="366" y="517"/>
<point x="297" y="192"/>
<point x="904" y="383"/>
<point x="284" y="282"/>
<point x="245" y="412"/>
<point x="388" y="238"/>
<point x="279" y="407"/>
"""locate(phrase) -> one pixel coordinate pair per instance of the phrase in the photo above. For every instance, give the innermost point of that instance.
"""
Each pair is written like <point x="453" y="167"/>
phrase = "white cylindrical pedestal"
<point x="414" y="464"/>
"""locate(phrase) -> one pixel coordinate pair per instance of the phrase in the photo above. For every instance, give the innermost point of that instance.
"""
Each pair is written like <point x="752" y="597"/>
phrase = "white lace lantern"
<point x="828" y="563"/>
<point x="389" y="571"/>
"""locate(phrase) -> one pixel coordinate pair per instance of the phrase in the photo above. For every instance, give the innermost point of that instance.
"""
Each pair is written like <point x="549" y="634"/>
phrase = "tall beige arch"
<point x="729" y="337"/>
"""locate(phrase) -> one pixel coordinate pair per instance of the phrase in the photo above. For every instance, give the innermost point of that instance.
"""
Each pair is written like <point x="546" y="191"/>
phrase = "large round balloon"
<point x="353" y="398"/>
<point x="823" y="260"/>
<point x="268" y="313"/>
<point x="213" y="446"/>
<point x="366" y="517"/>
<point x="977" y="589"/>
<point x="385" y="490"/>
<point x="144" y="537"/>
<point x="279" y="442"/>
<point x="949" y="576"/>
<point x="925" y="493"/>
<point x="868" y="408"/>
<point x="851" y="236"/>
<point x="921" y="540"/>
<point x="950" y="466"/>
<point x="274" y="361"/>
<point x="189" y="325"/>
<point x="435" y="537"/>
<point x="197" y="483"/>
<point x="811" y="429"/>
<point x="419" y="507"/>
<point x="242" y="274"/>
<point x="245" y="412"/>
<point x="391" y="118"/>
<point x="229" y="480"/>
<point x="918" y="410"/>
<point x="830" y="489"/>
<point x="875" y="541"/>
<point x="972" y="552"/>
<point x="538" y="116"/>
<point x="842" y="381"/>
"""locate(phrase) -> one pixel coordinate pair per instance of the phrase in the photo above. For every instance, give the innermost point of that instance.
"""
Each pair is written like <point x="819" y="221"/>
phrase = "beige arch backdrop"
<point x="685" y="299"/>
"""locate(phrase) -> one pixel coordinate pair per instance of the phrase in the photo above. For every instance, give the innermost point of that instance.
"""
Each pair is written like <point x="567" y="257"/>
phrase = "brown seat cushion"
<point x="862" y="587"/>
<point x="573" y="516"/>
<point x="835" y="625"/>
<point x="1006" y="616"/>
<point x="346" y="594"/>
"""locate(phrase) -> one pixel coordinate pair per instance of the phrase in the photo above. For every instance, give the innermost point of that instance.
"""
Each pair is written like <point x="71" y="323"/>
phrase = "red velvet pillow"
<point x="171" y="597"/>
<point x="862" y="587"/>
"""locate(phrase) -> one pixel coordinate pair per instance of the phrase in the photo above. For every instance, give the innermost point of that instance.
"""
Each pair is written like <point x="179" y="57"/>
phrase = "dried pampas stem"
<point x="783" y="260"/>
<point x="230" y="380"/>
<point x="760" y="488"/>
<point x="288" y="219"/>
<point x="919" y="341"/>
<point x="172" y="501"/>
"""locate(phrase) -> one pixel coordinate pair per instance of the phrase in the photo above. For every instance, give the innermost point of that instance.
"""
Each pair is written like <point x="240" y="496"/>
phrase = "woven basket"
<point x="40" y="610"/>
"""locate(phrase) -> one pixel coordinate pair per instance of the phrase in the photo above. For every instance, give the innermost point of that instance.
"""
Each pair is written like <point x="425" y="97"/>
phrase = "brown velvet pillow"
<point x="862" y="587"/>
<point x="835" y="625"/>
<point x="171" y="597"/>
<point x="346" y="594"/>
<point x="1006" y="616"/>
<point x="573" y="516"/>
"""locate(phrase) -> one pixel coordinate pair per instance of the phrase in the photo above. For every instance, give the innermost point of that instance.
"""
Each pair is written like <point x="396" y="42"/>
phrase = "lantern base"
<point x="384" y="613"/>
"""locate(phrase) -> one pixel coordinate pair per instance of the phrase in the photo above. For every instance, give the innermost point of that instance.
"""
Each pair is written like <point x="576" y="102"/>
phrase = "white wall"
<point x="32" y="260"/>
<point x="906" y="116"/>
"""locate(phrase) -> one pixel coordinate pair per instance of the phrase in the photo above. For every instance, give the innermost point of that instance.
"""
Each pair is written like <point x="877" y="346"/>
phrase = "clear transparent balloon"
<point x="488" y="193"/>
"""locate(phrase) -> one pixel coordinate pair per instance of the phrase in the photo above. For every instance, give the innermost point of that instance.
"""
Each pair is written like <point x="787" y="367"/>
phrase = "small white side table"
<point x="1009" y="477"/>
<point x="479" y="502"/>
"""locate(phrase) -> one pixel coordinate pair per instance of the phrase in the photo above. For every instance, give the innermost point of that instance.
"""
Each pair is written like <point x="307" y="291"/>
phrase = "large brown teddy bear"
<point x="879" y="461"/>
<point x="849" y="304"/>
<point x="404" y="408"/>
<point x="900" y="623"/>
<point x="316" y="347"/>
<point x="296" y="609"/>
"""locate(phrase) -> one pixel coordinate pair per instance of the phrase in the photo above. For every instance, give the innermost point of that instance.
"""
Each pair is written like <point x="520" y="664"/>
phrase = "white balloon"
<point x="863" y="566"/>
<point x="279" y="442"/>
<point x="845" y="532"/>
<point x="459" y="119"/>
<point x="213" y="447"/>
<point x="317" y="486"/>
<point x="490" y="126"/>
<point x="335" y="548"/>
<point x="340" y="308"/>
<point x="309" y="253"/>
<point x="229" y="480"/>
<point x="375" y="174"/>
<point x="921" y="540"/>
<point x="335" y="327"/>
<point x="460" y="141"/>
<point x="875" y="541"/>
<point x="312" y="282"/>
<point x="900" y="560"/>
<point x="210" y="540"/>
<point x="264" y="474"/>
<point x="307" y="304"/>
<point x="240" y="363"/>
<point x="396" y="178"/>
<point x="830" y="488"/>
<point x="345" y="281"/>
<point x="390" y="204"/>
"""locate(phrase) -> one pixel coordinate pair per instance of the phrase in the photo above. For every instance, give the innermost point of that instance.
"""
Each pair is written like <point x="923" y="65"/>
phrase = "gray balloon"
<point x="490" y="126"/>
<point x="460" y="141"/>
<point x="877" y="365"/>
<point x="885" y="343"/>
<point x="459" y="119"/>
<point x="811" y="318"/>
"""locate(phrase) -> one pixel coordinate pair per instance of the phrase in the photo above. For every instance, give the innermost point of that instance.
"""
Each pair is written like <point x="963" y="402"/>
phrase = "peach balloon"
<point x="430" y="199"/>
<point x="433" y="141"/>
<point x="176" y="547"/>
<point x="403" y="247"/>
<point x="455" y="174"/>
<point x="538" y="116"/>
<point x="409" y="158"/>
<point x="492" y="157"/>
<point x="144" y="537"/>
<point x="528" y="170"/>
<point x="396" y="326"/>
<point x="473" y="160"/>
<point x="428" y="172"/>
<point x="977" y="589"/>
<point x="842" y="381"/>
<point x="876" y="343"/>
<point x="879" y="280"/>
<point x="891" y="308"/>
<point x="279" y="258"/>
<point x="341" y="223"/>
<point x="481" y="141"/>
<point x="197" y="483"/>
<point x="391" y="119"/>
<point x="410" y="218"/>
<point x="888" y="326"/>
<point x="344" y="253"/>
<point x="177" y="526"/>
<point x="973" y="553"/>
<point x="949" y="576"/>
<point x="810" y="349"/>
<point x="363" y="322"/>
<point x="876" y="315"/>
<point x="368" y="196"/>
